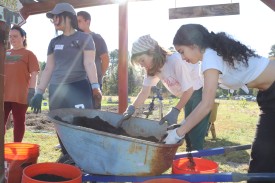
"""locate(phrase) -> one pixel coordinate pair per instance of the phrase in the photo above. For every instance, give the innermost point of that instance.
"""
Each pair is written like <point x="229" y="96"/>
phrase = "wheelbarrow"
<point x="99" y="152"/>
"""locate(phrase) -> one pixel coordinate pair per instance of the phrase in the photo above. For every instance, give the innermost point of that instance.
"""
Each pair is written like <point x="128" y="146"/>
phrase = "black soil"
<point x="50" y="178"/>
<point x="98" y="124"/>
<point x="40" y="122"/>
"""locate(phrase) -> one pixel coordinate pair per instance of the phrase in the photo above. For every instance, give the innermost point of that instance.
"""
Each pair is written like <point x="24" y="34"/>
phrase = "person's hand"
<point x="129" y="112"/>
<point x="171" y="117"/>
<point x="36" y="103"/>
<point x="30" y="95"/>
<point x="171" y="135"/>
<point x="97" y="96"/>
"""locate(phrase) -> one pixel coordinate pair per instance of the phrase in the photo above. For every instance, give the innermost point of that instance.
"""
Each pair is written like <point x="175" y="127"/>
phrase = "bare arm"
<point x="184" y="98"/>
<point x="47" y="73"/>
<point x="105" y="60"/>
<point x="33" y="79"/>
<point x="89" y="65"/>
<point x="208" y="98"/>
<point x="142" y="96"/>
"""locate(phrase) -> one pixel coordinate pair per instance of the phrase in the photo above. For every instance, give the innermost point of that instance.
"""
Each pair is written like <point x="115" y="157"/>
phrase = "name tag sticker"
<point x="59" y="47"/>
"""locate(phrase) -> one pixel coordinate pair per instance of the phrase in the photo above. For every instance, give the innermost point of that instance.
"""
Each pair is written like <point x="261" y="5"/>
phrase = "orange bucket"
<point x="165" y="180"/>
<point x="17" y="157"/>
<point x="65" y="171"/>
<point x="203" y="166"/>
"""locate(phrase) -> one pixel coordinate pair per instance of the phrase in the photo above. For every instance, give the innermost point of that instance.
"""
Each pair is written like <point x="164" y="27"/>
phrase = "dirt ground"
<point x="40" y="122"/>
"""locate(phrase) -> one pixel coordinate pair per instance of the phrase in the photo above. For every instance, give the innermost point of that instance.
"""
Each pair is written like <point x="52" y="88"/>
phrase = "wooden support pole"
<point x="270" y="3"/>
<point x="204" y="11"/>
<point x="4" y="29"/>
<point x="123" y="58"/>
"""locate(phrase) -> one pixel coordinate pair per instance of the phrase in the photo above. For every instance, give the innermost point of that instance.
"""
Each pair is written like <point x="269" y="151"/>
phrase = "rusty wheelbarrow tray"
<point x="99" y="152"/>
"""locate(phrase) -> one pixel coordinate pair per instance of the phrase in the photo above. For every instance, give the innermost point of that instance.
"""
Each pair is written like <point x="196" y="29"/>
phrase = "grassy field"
<point x="235" y="125"/>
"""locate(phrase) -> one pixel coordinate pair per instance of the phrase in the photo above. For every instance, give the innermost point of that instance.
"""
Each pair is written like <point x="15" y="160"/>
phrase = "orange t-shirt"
<point x="19" y="64"/>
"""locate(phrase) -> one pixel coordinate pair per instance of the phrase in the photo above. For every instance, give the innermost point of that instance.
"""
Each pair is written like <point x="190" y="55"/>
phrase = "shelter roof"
<point x="32" y="7"/>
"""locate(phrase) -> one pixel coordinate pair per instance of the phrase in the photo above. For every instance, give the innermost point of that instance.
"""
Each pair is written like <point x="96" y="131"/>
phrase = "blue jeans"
<point x="198" y="133"/>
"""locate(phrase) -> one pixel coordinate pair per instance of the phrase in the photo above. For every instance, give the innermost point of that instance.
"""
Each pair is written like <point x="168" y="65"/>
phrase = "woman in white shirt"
<point x="179" y="77"/>
<point x="233" y="65"/>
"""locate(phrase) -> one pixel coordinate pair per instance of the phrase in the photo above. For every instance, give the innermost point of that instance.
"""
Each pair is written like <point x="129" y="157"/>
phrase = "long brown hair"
<point x="159" y="58"/>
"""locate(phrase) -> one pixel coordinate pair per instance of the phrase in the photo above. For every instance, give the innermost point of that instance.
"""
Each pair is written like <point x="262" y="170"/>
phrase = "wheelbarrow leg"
<point x="213" y="131"/>
<point x="212" y="119"/>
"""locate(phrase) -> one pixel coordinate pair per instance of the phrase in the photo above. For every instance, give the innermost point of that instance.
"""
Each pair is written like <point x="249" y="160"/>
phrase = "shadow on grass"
<point x="238" y="157"/>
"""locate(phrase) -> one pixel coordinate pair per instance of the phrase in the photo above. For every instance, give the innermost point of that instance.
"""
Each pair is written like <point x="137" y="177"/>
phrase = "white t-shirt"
<point x="176" y="75"/>
<point x="229" y="77"/>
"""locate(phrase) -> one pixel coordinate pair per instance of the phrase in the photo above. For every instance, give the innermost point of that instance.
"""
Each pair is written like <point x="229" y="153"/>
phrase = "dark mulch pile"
<point x="98" y="124"/>
<point x="40" y="122"/>
<point x="50" y="178"/>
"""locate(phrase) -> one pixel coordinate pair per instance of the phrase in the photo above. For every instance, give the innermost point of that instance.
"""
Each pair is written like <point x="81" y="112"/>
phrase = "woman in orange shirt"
<point x="21" y="69"/>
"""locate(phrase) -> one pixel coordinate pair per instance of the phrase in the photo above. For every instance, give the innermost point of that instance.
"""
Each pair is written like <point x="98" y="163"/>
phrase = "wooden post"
<point x="212" y="119"/>
<point x="4" y="29"/>
<point x="123" y="58"/>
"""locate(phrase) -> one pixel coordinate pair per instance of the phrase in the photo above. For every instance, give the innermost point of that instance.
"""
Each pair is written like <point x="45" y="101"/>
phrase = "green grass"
<point x="235" y="125"/>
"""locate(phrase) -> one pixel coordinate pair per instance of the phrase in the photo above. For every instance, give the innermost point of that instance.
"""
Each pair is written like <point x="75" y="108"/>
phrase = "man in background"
<point x="102" y="56"/>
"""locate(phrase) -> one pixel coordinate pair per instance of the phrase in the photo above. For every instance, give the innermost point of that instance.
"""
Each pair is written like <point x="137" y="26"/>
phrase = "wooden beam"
<point x="4" y="29"/>
<point x="270" y="3"/>
<point x="204" y="11"/>
<point x="45" y="6"/>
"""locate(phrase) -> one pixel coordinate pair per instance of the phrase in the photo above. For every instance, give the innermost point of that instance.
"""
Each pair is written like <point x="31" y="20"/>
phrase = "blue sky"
<point x="253" y="27"/>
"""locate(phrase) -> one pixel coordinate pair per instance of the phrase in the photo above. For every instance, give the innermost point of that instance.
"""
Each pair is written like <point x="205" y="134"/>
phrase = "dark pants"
<point x="198" y="133"/>
<point x="263" y="148"/>
<point x="68" y="96"/>
<point x="18" y="113"/>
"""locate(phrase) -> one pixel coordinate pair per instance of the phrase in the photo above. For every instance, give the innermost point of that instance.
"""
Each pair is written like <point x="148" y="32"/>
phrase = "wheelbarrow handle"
<point x="212" y="151"/>
<point x="217" y="177"/>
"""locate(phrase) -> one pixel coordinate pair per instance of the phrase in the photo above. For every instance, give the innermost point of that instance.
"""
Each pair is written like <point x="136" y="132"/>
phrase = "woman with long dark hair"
<point x="228" y="62"/>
